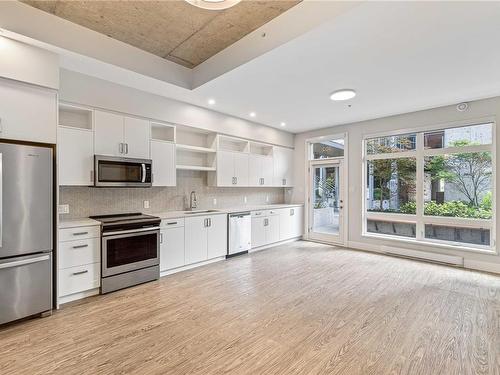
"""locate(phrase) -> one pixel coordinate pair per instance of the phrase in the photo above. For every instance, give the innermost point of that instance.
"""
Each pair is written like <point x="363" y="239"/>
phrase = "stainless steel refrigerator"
<point x="26" y="230"/>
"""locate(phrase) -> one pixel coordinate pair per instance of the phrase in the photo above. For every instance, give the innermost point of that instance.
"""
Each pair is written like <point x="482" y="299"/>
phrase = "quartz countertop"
<point x="165" y="215"/>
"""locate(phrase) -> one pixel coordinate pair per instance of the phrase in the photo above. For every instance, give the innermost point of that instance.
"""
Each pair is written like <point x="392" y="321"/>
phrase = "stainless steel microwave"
<point x="112" y="171"/>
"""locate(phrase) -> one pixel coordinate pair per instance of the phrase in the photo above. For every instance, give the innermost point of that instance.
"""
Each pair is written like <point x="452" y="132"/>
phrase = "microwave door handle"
<point x="143" y="178"/>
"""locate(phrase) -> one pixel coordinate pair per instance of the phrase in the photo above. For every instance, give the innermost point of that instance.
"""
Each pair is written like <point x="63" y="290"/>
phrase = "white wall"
<point x="83" y="89"/>
<point x="356" y="132"/>
<point x="22" y="62"/>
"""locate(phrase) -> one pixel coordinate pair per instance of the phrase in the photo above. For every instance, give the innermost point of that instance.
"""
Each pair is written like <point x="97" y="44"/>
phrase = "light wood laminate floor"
<point x="301" y="308"/>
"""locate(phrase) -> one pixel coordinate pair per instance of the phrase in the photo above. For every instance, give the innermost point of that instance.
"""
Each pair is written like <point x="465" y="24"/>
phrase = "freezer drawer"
<point x="26" y="286"/>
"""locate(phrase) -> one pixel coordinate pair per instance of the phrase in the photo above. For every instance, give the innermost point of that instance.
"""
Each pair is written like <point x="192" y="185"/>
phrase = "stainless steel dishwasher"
<point x="240" y="233"/>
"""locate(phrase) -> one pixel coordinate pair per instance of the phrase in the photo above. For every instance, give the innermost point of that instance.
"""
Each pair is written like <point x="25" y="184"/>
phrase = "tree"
<point x="469" y="172"/>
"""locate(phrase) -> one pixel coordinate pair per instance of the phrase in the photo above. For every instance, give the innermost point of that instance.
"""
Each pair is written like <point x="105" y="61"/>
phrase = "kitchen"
<point x="207" y="187"/>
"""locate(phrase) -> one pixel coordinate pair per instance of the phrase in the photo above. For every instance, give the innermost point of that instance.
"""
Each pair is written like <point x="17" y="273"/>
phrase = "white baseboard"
<point x="76" y="296"/>
<point x="482" y="266"/>
<point x="416" y="254"/>
<point x="274" y="244"/>
<point x="190" y="266"/>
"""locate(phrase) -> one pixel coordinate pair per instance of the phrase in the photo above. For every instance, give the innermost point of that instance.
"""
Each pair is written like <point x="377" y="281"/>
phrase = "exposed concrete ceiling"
<point x="174" y="30"/>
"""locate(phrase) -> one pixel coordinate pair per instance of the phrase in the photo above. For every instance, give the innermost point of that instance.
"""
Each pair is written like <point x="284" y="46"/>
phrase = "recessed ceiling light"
<point x="211" y="101"/>
<point x="344" y="94"/>
<point x="253" y="114"/>
<point x="283" y="124"/>
<point x="213" y="4"/>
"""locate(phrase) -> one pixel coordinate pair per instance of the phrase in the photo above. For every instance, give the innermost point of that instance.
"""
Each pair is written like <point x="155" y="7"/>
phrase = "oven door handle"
<point x="143" y="173"/>
<point x="118" y="232"/>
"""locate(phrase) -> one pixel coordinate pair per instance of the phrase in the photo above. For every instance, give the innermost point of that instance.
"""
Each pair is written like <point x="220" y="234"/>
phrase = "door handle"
<point x="23" y="262"/>
<point x="120" y="148"/>
<point x="126" y="148"/>
<point x="80" y="233"/>
<point x="80" y="246"/>
<point x="161" y="237"/>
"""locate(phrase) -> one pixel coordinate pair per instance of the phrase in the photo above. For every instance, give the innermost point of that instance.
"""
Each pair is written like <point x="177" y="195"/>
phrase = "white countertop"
<point x="75" y="223"/>
<point x="182" y="214"/>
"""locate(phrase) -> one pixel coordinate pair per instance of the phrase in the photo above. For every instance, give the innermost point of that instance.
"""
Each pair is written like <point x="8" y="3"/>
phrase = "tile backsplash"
<point x="86" y="201"/>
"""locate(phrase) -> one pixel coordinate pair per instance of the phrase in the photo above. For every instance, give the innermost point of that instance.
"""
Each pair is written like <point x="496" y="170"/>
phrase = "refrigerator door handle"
<point x="22" y="262"/>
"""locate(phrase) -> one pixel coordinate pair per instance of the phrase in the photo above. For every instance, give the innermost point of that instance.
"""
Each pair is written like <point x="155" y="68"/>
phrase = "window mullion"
<point x="420" y="186"/>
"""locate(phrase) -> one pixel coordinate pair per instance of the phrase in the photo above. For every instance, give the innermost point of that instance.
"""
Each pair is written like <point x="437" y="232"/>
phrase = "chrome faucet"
<point x="193" y="201"/>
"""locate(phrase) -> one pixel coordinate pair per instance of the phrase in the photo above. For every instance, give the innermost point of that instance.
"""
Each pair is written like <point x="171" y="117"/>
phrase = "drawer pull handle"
<point x="80" y="272"/>
<point x="80" y="246"/>
<point x="80" y="233"/>
<point x="172" y="223"/>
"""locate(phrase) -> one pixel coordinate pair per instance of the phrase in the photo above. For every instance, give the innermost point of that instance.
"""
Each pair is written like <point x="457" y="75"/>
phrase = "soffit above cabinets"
<point x="174" y="30"/>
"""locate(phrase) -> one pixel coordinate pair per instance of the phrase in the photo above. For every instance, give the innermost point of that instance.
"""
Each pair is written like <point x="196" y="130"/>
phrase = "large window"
<point x="434" y="186"/>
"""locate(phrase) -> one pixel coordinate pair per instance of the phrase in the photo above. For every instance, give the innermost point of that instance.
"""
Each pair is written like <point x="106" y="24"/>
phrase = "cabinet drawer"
<point x="76" y="253"/>
<point x="79" y="233"/>
<point x="79" y="279"/>
<point x="172" y="223"/>
<point x="259" y="213"/>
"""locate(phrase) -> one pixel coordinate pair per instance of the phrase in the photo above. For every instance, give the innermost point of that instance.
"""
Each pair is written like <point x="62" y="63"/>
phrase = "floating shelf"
<point x="199" y="149"/>
<point x="195" y="168"/>
<point x="72" y="116"/>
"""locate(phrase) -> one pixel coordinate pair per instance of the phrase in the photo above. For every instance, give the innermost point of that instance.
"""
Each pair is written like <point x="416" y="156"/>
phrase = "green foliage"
<point x="487" y="202"/>
<point x="450" y="209"/>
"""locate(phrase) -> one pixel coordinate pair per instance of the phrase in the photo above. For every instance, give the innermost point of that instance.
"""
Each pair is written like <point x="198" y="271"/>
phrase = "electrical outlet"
<point x="267" y="198"/>
<point x="215" y="201"/>
<point x="63" y="208"/>
<point x="245" y="199"/>
<point x="146" y="204"/>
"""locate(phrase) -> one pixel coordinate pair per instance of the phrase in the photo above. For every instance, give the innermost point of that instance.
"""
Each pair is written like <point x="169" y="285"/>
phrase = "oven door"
<point x="129" y="250"/>
<point x="122" y="172"/>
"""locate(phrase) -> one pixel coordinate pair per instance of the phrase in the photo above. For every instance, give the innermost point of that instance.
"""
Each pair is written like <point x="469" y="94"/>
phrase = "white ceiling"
<point x="399" y="57"/>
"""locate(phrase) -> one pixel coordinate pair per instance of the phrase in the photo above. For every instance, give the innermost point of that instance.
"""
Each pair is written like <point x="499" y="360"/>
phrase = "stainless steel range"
<point x="129" y="250"/>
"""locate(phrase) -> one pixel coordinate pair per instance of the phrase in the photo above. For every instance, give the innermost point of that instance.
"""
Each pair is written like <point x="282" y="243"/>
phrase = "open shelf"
<point x="261" y="149"/>
<point x="72" y="116"/>
<point x="162" y="132"/>
<point x="227" y="143"/>
<point x="195" y="168"/>
<point x="197" y="149"/>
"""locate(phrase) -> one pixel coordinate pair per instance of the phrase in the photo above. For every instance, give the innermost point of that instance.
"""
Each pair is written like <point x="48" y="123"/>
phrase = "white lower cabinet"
<point x="291" y="222"/>
<point x="265" y="228"/>
<point x="217" y="236"/>
<point x="172" y="253"/>
<point x="205" y="238"/>
<point x="79" y="261"/>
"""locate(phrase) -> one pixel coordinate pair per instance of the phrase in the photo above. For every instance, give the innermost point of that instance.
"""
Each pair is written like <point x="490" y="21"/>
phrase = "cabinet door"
<point x="108" y="135"/>
<point x="254" y="170"/>
<point x="273" y="229"/>
<point x="285" y="224"/>
<point x="225" y="168"/>
<point x="75" y="155"/>
<point x="267" y="171"/>
<point x="297" y="221"/>
<point x="241" y="168"/>
<point x="171" y="248"/>
<point x="217" y="236"/>
<point x="136" y="137"/>
<point x="288" y="167"/>
<point x="283" y="167"/>
<point x="195" y="234"/>
<point x="27" y="113"/>
<point x="163" y="156"/>
<point x="258" y="231"/>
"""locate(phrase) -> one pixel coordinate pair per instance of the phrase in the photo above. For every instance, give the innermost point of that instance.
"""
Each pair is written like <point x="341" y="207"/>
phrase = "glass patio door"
<point x="326" y="202"/>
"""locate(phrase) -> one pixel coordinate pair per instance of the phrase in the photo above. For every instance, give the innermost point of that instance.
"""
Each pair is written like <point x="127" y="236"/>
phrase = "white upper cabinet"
<point x="260" y="170"/>
<point x="75" y="155"/>
<point x="136" y="136"/>
<point x="163" y="157"/>
<point x="283" y="167"/>
<point x="232" y="168"/>
<point x="108" y="134"/>
<point x="118" y="135"/>
<point x="27" y="113"/>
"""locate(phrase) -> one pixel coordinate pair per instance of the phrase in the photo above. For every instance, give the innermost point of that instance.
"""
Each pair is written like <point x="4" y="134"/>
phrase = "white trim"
<point x="457" y="150"/>
<point x="264" y="247"/>
<point x="76" y="296"/>
<point x="482" y="266"/>
<point x="191" y="266"/>
<point x="388" y="216"/>
<point x="393" y="155"/>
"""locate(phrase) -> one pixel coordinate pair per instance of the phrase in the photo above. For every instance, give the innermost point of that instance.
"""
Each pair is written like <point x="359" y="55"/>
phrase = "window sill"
<point x="420" y="243"/>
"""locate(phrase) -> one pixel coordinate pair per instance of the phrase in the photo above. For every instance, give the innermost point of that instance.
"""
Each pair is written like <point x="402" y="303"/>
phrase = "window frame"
<point x="419" y="218"/>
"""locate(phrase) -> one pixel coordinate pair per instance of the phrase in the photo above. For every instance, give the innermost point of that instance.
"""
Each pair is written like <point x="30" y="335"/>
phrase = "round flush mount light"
<point x="213" y="4"/>
<point x="283" y="124"/>
<point x="253" y="114"/>
<point x="462" y="107"/>
<point x="211" y="101"/>
<point x="344" y="94"/>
